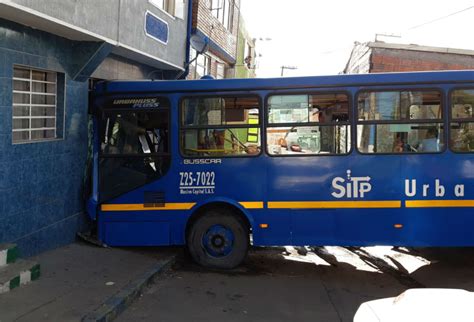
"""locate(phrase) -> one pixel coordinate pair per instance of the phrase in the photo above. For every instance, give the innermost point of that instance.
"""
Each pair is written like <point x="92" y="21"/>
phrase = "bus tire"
<point x="218" y="240"/>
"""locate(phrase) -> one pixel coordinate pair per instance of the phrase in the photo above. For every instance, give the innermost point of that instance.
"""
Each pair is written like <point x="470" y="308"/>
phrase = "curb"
<point x="25" y="272"/>
<point x="8" y="254"/>
<point x="116" y="304"/>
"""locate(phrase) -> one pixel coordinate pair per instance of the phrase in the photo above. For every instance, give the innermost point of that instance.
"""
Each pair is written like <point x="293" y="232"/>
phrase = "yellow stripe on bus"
<point x="251" y="204"/>
<point x="141" y="207"/>
<point x="438" y="203"/>
<point x="333" y="204"/>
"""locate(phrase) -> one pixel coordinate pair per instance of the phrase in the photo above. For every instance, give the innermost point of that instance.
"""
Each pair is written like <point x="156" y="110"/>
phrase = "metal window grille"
<point x="34" y="105"/>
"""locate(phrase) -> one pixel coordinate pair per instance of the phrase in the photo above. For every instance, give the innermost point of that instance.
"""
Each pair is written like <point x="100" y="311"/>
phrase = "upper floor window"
<point x="220" y="126"/>
<point x="223" y="11"/>
<point x="400" y="122"/>
<point x="220" y="70"/>
<point x="35" y="105"/>
<point x="308" y="124"/>
<point x="203" y="66"/>
<point x="462" y="120"/>
<point x="173" y="7"/>
<point x="248" y="58"/>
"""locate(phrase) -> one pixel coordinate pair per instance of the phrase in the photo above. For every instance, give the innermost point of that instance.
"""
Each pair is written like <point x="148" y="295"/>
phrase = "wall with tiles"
<point x="41" y="184"/>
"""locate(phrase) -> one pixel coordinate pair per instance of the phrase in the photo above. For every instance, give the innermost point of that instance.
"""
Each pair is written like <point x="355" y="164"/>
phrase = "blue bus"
<point x="348" y="160"/>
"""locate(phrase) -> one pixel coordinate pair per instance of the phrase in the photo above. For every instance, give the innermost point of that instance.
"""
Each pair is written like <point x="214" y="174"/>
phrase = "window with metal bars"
<point x="34" y="105"/>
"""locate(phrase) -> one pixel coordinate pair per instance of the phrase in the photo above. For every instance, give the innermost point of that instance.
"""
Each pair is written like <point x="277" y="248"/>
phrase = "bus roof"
<point x="239" y="84"/>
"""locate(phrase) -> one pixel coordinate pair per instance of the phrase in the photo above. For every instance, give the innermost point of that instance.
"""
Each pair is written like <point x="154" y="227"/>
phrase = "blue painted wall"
<point x="41" y="183"/>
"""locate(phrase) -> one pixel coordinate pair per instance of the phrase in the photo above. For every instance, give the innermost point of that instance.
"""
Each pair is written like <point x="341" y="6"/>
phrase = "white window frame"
<point x="224" y="9"/>
<point x="220" y="70"/>
<point x="179" y="8"/>
<point x="206" y="66"/>
<point x="168" y="7"/>
<point x="215" y="11"/>
<point x="31" y="106"/>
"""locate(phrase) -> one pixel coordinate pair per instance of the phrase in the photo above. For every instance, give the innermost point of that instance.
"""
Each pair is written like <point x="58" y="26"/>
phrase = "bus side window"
<point x="400" y="122"/>
<point x="220" y="126"/>
<point x="462" y="121"/>
<point x="308" y="124"/>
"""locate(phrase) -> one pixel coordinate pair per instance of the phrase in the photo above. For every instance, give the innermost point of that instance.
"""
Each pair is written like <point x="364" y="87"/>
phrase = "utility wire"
<point x="440" y="18"/>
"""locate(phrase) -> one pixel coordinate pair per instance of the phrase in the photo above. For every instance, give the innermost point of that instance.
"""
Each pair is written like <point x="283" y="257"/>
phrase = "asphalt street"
<point x="299" y="284"/>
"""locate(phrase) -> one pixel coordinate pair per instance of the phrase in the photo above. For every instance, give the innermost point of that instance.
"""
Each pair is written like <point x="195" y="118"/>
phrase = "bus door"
<point x="134" y="144"/>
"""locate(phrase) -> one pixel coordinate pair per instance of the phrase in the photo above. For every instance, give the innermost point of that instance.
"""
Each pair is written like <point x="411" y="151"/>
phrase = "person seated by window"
<point x="431" y="142"/>
<point x="219" y="138"/>
<point x="317" y="114"/>
<point x="398" y="145"/>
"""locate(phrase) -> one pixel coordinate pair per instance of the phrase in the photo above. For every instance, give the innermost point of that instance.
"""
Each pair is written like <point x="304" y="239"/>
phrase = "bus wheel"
<point x="218" y="240"/>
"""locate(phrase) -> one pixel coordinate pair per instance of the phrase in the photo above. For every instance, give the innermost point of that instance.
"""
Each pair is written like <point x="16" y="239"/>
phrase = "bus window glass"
<point x="320" y="108"/>
<point x="400" y="122"/>
<point x="134" y="150"/>
<point x="308" y="124"/>
<point x="308" y="140"/>
<point x="220" y="126"/>
<point x="135" y="133"/>
<point x="400" y="138"/>
<point x="462" y="124"/>
<point x="220" y="142"/>
<point x="399" y="106"/>
<point x="219" y="111"/>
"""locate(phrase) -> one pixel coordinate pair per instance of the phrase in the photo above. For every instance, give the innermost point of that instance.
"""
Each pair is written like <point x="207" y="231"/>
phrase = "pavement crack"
<point x="40" y="306"/>
<point x="330" y="299"/>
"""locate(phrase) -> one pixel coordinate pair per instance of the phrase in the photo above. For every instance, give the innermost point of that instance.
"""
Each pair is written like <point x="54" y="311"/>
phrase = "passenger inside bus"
<point x="431" y="142"/>
<point x="409" y="142"/>
<point x="398" y="144"/>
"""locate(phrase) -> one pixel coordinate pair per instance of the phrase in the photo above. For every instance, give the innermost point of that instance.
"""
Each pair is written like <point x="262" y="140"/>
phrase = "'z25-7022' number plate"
<point x="197" y="182"/>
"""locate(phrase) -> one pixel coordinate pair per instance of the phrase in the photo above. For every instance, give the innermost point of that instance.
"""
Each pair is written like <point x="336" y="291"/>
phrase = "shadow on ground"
<point x="299" y="284"/>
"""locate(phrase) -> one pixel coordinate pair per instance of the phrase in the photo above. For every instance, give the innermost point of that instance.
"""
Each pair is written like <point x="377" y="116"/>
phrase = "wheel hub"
<point x="218" y="241"/>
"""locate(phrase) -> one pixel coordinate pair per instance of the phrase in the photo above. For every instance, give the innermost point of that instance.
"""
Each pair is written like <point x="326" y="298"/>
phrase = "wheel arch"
<point x="222" y="203"/>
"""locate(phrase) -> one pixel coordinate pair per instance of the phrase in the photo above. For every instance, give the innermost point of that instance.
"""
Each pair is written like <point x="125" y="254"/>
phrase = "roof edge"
<point x="414" y="47"/>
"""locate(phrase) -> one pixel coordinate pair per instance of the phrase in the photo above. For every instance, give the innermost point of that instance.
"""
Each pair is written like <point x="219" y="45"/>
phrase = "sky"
<point x="317" y="36"/>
